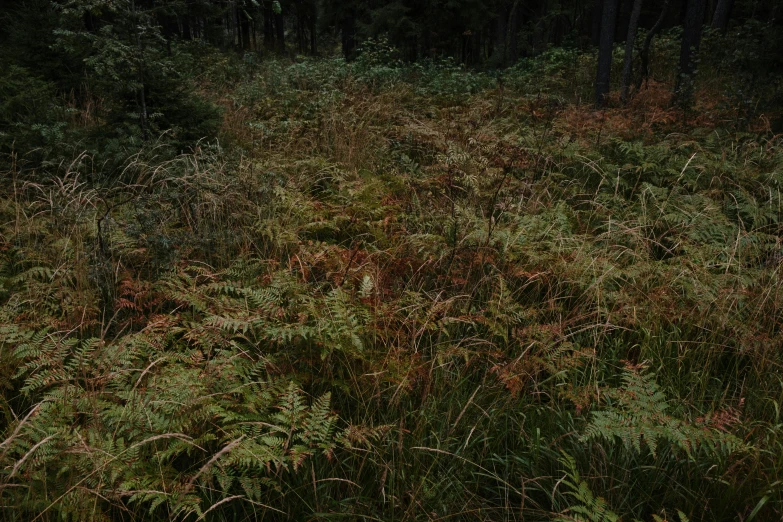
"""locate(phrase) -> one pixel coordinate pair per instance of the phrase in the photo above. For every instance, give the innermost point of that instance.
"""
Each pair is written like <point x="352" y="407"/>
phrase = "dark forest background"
<point x="126" y="66"/>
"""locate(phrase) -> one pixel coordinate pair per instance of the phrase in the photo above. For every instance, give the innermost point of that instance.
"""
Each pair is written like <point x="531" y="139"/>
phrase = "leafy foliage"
<point x="393" y="291"/>
<point x="140" y="409"/>
<point x="587" y="507"/>
<point x="638" y="412"/>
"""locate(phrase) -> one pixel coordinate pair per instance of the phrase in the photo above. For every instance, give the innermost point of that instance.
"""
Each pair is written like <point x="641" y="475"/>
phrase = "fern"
<point x="587" y="507"/>
<point x="637" y="413"/>
<point x="160" y="413"/>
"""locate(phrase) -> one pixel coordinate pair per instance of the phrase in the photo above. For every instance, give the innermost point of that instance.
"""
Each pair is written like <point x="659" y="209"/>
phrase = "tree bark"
<point x="595" y="26"/>
<point x="269" y="33"/>
<point x="233" y="22"/>
<point x="312" y="26"/>
<point x="633" y="25"/>
<point x="689" y="50"/>
<point x="512" y="31"/>
<point x="644" y="54"/>
<point x="500" y="46"/>
<point x="244" y="28"/>
<point x="720" y="19"/>
<point x="623" y="19"/>
<point x="301" y="15"/>
<point x="279" y="32"/>
<point x="187" y="32"/>
<point x="506" y="29"/>
<point x="603" y="76"/>
<point x="348" y="30"/>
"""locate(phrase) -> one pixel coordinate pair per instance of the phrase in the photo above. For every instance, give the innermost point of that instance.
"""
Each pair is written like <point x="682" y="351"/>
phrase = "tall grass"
<point x="388" y="297"/>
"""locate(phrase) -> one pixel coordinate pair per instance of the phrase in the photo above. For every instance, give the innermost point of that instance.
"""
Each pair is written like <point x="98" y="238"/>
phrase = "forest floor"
<point x="392" y="298"/>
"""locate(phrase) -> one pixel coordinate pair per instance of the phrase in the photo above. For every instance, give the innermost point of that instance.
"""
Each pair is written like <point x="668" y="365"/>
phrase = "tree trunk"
<point x="169" y="25"/>
<point x="633" y="25"/>
<point x="301" y="44"/>
<point x="512" y="33"/>
<point x="279" y="32"/>
<point x="244" y="27"/>
<point x="514" y="22"/>
<point x="253" y="33"/>
<point x="500" y="35"/>
<point x="720" y="19"/>
<point x="603" y="76"/>
<point x="348" y="30"/>
<point x="689" y="51"/>
<point x="426" y="42"/>
<point x="269" y="33"/>
<point x="623" y="19"/>
<point x="234" y="24"/>
<point x="644" y="54"/>
<point x="313" y="34"/>
<point x="506" y="29"/>
<point x="187" y="32"/>
<point x="595" y="26"/>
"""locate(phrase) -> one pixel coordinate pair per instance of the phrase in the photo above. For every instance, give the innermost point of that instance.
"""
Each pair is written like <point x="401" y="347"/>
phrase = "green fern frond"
<point x="637" y="413"/>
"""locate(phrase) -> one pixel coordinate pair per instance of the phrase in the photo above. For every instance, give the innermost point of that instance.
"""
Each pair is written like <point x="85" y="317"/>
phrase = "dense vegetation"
<point x="421" y="279"/>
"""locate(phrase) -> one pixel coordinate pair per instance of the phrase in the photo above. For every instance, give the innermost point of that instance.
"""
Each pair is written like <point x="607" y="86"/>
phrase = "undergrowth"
<point x="397" y="294"/>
